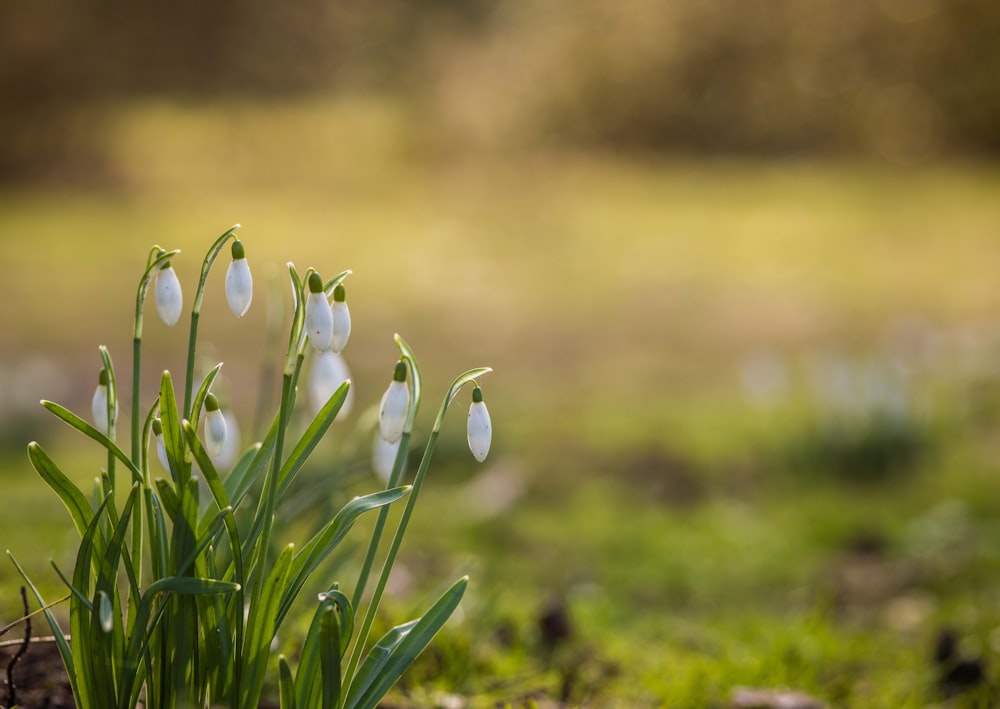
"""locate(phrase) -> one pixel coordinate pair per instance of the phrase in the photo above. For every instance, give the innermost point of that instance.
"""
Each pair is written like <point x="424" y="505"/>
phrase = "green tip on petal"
<point x="157" y="427"/>
<point x="315" y="283"/>
<point x="477" y="395"/>
<point x="212" y="403"/>
<point x="238" y="251"/>
<point x="102" y="378"/>
<point x="399" y="375"/>
<point x="339" y="293"/>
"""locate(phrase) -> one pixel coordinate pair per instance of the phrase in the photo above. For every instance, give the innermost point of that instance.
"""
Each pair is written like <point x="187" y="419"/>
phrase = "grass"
<point x="698" y="540"/>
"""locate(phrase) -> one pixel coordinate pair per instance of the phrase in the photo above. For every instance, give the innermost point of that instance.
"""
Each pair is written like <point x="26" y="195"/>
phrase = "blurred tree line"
<point x="905" y="80"/>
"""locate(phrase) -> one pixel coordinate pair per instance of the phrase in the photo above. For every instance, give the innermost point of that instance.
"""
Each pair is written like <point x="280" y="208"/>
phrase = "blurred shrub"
<point x="902" y="79"/>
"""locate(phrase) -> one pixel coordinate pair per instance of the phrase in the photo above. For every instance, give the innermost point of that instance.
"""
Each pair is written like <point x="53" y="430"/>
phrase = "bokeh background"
<point x="734" y="264"/>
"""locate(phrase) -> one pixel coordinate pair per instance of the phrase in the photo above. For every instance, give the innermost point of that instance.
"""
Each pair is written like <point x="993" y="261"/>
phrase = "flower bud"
<point x="319" y="317"/>
<point x="161" y="448"/>
<point x="239" y="282"/>
<point x="480" y="430"/>
<point x="395" y="404"/>
<point x="328" y="372"/>
<point x="341" y="319"/>
<point x="383" y="457"/>
<point x="215" y="427"/>
<point x="99" y="404"/>
<point x="169" y="299"/>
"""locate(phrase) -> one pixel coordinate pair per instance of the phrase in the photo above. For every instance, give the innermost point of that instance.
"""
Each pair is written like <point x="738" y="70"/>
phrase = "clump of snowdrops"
<point x="173" y="601"/>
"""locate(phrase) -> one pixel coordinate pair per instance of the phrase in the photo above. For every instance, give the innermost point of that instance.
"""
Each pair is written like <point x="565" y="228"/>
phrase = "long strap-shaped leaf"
<point x="260" y="629"/>
<point x="64" y="414"/>
<point x="70" y="494"/>
<point x="326" y="540"/>
<point x="397" y="650"/>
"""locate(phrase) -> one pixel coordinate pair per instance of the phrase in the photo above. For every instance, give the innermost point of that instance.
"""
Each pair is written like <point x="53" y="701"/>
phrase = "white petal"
<point x="319" y="321"/>
<point x="161" y="452"/>
<point x="383" y="457"/>
<point x="392" y="412"/>
<point x="341" y="326"/>
<point x="239" y="286"/>
<point x="99" y="408"/>
<point x="169" y="299"/>
<point x="480" y="430"/>
<point x="231" y="448"/>
<point x="215" y="432"/>
<point x="329" y="371"/>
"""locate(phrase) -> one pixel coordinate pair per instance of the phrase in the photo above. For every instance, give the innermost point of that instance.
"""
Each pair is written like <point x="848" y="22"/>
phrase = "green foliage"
<point x="175" y="602"/>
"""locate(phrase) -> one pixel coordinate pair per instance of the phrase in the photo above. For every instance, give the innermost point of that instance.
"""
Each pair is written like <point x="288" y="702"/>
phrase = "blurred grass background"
<point x="734" y="266"/>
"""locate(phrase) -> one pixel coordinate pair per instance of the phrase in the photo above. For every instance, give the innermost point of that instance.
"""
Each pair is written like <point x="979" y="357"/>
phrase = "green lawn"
<point x="816" y="535"/>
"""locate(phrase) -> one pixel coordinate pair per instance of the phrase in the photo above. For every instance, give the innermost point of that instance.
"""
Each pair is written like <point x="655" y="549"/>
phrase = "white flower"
<point x="239" y="282"/>
<point x="480" y="430"/>
<point x="383" y="457"/>
<point x="319" y="317"/>
<point x="169" y="299"/>
<point x="215" y="427"/>
<point x="161" y="448"/>
<point x="231" y="449"/>
<point x="99" y="404"/>
<point x="395" y="404"/>
<point x="341" y="319"/>
<point x="328" y="372"/>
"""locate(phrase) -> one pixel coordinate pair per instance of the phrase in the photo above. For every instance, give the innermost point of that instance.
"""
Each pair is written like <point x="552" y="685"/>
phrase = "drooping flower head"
<point x="383" y="457"/>
<point x="341" y="319"/>
<point x="161" y="448"/>
<point x="215" y="427"/>
<point x="328" y="372"/>
<point x="395" y="404"/>
<point x="319" y="317"/>
<point x="99" y="404"/>
<point x="169" y="298"/>
<point x="239" y="282"/>
<point x="480" y="430"/>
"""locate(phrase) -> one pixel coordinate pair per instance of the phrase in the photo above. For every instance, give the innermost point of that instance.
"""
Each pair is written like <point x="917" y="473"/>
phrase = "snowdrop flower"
<point x="231" y="449"/>
<point x="395" y="404"/>
<point x="383" y="457"/>
<point x="239" y="282"/>
<point x="99" y="404"/>
<point x="215" y="427"/>
<point x="480" y="430"/>
<point x="161" y="448"/>
<point x="169" y="299"/>
<point x="329" y="371"/>
<point x="319" y="317"/>
<point x="341" y="319"/>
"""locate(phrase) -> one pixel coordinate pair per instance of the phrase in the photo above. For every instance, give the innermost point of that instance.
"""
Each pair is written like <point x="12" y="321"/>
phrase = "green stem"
<point x="136" y="359"/>
<point x="189" y="369"/>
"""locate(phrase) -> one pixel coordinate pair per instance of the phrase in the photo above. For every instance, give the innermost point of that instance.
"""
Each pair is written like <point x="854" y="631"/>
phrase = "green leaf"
<point x="308" y="687"/>
<point x="326" y="540"/>
<point x="199" y="397"/>
<point x="173" y="439"/>
<point x="243" y="474"/>
<point x="260" y="629"/>
<point x="68" y="417"/>
<point x="311" y="438"/>
<point x="286" y="685"/>
<point x="329" y="653"/>
<point x="397" y="650"/>
<point x="74" y="500"/>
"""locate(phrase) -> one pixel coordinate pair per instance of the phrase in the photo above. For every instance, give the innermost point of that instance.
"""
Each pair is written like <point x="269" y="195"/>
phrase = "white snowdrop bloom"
<point x="383" y="457"/>
<point x="161" y="447"/>
<point x="169" y="298"/>
<point x="215" y="427"/>
<point x="480" y="430"/>
<point x="99" y="404"/>
<point x="230" y="452"/>
<point x="394" y="406"/>
<point x="319" y="317"/>
<point x="341" y="319"/>
<point x="328" y="372"/>
<point x="239" y="282"/>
